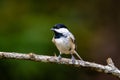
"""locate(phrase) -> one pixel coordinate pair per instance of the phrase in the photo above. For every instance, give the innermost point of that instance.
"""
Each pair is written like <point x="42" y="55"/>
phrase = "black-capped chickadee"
<point x="64" y="41"/>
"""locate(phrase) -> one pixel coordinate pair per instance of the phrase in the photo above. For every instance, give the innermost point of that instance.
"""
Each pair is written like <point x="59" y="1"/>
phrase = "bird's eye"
<point x="56" y="27"/>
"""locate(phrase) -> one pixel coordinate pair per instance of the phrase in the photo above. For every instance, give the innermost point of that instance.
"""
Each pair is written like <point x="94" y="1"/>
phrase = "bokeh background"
<point x="25" y="27"/>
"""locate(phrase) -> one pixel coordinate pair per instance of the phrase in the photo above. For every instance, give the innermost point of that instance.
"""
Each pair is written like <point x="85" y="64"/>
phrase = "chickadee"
<point x="64" y="41"/>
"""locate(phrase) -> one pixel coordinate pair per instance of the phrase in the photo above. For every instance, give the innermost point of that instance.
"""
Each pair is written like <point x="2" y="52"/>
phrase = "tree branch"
<point x="109" y="68"/>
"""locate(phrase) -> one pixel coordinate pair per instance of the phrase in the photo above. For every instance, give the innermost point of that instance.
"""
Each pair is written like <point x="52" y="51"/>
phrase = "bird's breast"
<point x="63" y="45"/>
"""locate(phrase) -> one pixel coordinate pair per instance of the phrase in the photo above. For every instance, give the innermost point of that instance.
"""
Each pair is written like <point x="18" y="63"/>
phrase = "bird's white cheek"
<point x="62" y="30"/>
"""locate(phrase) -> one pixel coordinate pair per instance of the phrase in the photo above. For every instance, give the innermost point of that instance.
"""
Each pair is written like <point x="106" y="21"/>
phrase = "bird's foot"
<point x="59" y="57"/>
<point x="73" y="59"/>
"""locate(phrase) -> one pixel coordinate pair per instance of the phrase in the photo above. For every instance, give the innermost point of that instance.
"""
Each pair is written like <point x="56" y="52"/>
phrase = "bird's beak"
<point x="52" y="29"/>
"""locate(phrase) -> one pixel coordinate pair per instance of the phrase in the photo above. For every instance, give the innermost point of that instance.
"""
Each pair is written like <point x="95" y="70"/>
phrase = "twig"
<point x="109" y="68"/>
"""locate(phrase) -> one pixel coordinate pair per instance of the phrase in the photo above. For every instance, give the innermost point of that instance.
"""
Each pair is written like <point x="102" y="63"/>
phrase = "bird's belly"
<point x="63" y="45"/>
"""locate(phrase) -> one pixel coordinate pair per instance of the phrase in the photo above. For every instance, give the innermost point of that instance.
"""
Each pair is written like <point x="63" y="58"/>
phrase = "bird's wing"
<point x="73" y="46"/>
<point x="72" y="37"/>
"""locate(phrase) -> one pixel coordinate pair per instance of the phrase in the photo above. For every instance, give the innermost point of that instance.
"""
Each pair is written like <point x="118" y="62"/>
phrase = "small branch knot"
<point x="32" y="56"/>
<point x="110" y="63"/>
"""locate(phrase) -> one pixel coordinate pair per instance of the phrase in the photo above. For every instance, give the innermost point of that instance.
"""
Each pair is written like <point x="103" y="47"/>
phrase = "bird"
<point x="64" y="40"/>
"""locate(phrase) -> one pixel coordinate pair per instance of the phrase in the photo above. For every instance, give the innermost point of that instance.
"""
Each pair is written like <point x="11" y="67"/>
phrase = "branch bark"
<point x="109" y="68"/>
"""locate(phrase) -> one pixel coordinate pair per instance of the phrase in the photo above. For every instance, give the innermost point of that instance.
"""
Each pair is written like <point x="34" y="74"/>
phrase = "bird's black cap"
<point x="58" y="26"/>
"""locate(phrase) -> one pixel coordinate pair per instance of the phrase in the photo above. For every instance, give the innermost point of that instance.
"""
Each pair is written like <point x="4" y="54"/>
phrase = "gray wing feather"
<point x="72" y="37"/>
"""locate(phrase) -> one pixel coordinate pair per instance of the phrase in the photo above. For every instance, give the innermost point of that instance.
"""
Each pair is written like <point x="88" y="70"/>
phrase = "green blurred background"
<point x="25" y="27"/>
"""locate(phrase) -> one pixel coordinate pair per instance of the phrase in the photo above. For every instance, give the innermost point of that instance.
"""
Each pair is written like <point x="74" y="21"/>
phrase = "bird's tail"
<point x="78" y="55"/>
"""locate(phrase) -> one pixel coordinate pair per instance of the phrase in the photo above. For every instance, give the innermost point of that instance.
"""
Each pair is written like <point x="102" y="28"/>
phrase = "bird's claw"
<point x="59" y="57"/>
<point x="73" y="59"/>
